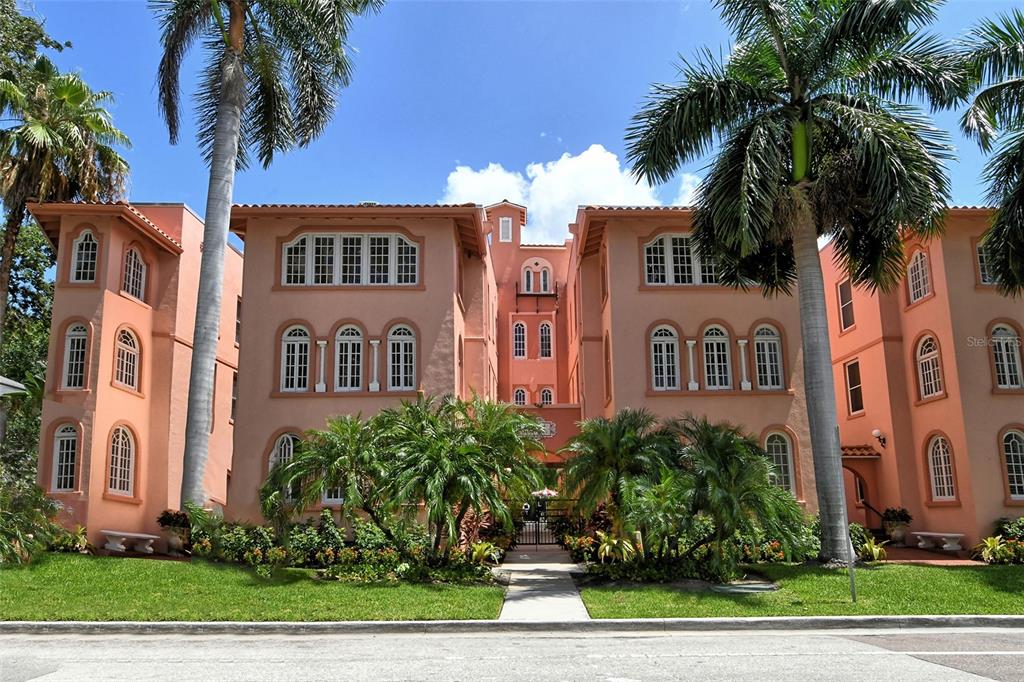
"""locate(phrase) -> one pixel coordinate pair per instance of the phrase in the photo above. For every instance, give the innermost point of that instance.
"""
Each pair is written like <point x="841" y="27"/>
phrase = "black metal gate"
<point x="536" y="517"/>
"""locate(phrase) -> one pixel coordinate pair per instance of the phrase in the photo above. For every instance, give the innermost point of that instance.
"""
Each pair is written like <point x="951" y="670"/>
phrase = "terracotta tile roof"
<point x="135" y="213"/>
<point x="360" y="205"/>
<point x="860" y="451"/>
<point x="598" y="207"/>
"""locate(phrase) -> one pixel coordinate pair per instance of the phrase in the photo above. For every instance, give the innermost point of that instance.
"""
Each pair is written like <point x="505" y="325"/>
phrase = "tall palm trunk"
<point x="11" y="231"/>
<point x="211" y="276"/>
<point x="818" y="382"/>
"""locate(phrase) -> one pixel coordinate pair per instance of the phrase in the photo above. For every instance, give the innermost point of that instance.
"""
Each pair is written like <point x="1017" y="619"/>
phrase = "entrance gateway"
<point x="536" y="517"/>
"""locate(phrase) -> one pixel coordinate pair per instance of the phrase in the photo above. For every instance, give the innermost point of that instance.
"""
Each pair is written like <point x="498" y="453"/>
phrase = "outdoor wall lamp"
<point x="879" y="437"/>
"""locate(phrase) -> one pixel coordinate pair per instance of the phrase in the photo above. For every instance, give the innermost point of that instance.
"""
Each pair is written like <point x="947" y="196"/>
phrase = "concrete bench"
<point x="142" y="542"/>
<point x="950" y="541"/>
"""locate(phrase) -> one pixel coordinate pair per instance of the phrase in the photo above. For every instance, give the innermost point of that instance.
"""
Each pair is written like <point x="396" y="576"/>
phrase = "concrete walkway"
<point x="540" y="588"/>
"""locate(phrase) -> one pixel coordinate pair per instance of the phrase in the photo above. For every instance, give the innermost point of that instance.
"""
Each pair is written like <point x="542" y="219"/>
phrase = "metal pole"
<point x="851" y="556"/>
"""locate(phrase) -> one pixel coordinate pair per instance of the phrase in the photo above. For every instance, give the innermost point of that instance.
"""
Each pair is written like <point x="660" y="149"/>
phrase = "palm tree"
<point x="274" y="68"/>
<point x="817" y="139"/>
<point x="60" y="148"/>
<point x="608" y="453"/>
<point x="994" y="54"/>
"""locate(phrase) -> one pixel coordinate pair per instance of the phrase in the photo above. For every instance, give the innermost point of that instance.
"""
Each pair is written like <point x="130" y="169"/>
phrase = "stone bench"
<point x="143" y="542"/>
<point x="950" y="541"/>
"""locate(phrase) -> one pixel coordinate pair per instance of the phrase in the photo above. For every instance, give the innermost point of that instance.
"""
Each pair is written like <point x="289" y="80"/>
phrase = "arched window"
<point x="1006" y="357"/>
<point x="768" y="358"/>
<point x="295" y="359"/>
<point x="547" y="396"/>
<point x="984" y="270"/>
<point x="780" y="451"/>
<point x="85" y="251"/>
<point x="528" y="281"/>
<point x="519" y="396"/>
<point x="401" y="359"/>
<point x="545" y="281"/>
<point x="545" y="339"/>
<point x="664" y="359"/>
<point x="284" y="450"/>
<point x="295" y="262"/>
<point x="126" y="366"/>
<point x="65" y="456"/>
<point x="717" y="365"/>
<point x="918" y="277"/>
<point x="76" y="339"/>
<point x="940" y="469"/>
<point x="134" y="283"/>
<point x="519" y="340"/>
<point x="122" y="462"/>
<point x="348" y="345"/>
<point x="929" y="371"/>
<point x="1013" y="452"/>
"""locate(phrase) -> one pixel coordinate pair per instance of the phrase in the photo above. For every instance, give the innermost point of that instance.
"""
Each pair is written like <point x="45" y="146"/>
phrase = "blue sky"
<point x="462" y="101"/>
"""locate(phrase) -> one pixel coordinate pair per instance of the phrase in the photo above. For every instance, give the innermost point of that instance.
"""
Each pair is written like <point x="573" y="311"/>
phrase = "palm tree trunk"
<point x="211" y="278"/>
<point x="11" y="231"/>
<point x="819" y="386"/>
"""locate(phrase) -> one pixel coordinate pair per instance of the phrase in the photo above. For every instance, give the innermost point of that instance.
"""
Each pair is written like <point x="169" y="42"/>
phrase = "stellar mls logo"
<point x="989" y="341"/>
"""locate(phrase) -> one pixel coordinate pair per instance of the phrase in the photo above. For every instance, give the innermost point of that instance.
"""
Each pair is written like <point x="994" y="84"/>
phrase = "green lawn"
<point x="76" y="587"/>
<point x="890" y="589"/>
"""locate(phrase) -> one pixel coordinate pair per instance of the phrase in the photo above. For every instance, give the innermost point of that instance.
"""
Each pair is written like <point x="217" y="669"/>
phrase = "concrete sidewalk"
<point x="541" y="588"/>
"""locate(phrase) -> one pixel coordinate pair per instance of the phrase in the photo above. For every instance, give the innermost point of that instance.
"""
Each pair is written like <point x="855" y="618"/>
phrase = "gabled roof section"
<point x="506" y="202"/>
<point x="50" y="212"/>
<point x="592" y="219"/>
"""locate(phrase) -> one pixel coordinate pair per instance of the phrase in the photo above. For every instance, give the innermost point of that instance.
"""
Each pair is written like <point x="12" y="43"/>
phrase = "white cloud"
<point x="687" y="190"/>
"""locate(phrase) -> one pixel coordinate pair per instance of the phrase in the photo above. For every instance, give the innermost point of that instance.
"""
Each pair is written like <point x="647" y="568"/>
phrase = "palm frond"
<point x="1004" y="240"/>
<point x="181" y="23"/>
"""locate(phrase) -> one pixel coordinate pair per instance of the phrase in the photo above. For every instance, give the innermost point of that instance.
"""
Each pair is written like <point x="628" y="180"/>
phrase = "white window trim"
<point x="1006" y="460"/>
<point x="790" y="471"/>
<point x="1007" y="344"/>
<point x="984" y="272"/>
<point x="540" y="341"/>
<point x="850" y="387"/>
<point x="726" y="341"/>
<point x="70" y="334"/>
<point x="547" y="396"/>
<point x="275" y="457"/>
<point x="505" y="229"/>
<point x="528" y="281"/>
<point x="545" y="281"/>
<point x="340" y="338"/>
<point x="285" y="340"/>
<point x="672" y="340"/>
<point x="394" y="239"/>
<point x="774" y="340"/>
<point x="843" y="306"/>
<point x="132" y="462"/>
<point x="392" y="341"/>
<point x="63" y="433"/>
<point x="515" y="397"/>
<point x="929" y="357"/>
<point x="73" y="275"/>
<point x="133" y="259"/>
<point x="131" y="354"/>
<point x="932" y="480"/>
<point x="919" y="269"/>
<point x="697" y="267"/>
<point x="526" y="342"/>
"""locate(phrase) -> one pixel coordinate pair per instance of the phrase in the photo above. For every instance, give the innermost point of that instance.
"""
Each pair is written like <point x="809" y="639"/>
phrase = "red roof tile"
<point x="859" y="451"/>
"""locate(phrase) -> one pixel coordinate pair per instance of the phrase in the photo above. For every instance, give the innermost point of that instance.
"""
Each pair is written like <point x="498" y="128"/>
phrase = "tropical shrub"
<point x="582" y="548"/>
<point x="872" y="550"/>
<point x="72" y="541"/>
<point x="485" y="552"/>
<point x="999" y="550"/>
<point x="26" y="528"/>
<point x="612" y="548"/>
<point x="1011" y="529"/>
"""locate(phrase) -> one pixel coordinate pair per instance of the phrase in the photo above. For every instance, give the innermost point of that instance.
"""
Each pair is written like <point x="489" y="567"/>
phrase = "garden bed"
<point x="808" y="590"/>
<point x="80" y="587"/>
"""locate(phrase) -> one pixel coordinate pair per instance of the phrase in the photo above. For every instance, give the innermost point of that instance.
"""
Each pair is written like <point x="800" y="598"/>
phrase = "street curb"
<point x="494" y="626"/>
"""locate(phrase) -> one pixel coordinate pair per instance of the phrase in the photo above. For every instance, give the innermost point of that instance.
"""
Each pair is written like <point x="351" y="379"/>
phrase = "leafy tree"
<point x="271" y="81"/>
<point x="817" y="137"/>
<point x="608" y="453"/>
<point x="20" y="39"/>
<point x="994" y="54"/>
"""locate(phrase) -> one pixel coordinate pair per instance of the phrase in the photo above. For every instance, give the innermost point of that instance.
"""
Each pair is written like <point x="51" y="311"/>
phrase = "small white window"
<point x="780" y="451"/>
<point x="519" y="396"/>
<point x="717" y="364"/>
<point x="351" y="259"/>
<point x="1013" y="452"/>
<point x="664" y="359"/>
<point x="984" y="271"/>
<point x="85" y="251"/>
<point x="545" y="281"/>
<point x="846" y="318"/>
<point x="65" y="455"/>
<point x="547" y="396"/>
<point x="940" y="469"/>
<point x="349" y="359"/>
<point x="1006" y="356"/>
<point x="528" y="281"/>
<point x="75" y="340"/>
<point x="768" y="358"/>
<point x="654" y="257"/>
<point x="295" y="262"/>
<point x="238" y="321"/>
<point x="401" y="359"/>
<point x="929" y="372"/>
<point x="234" y="395"/>
<point x="134" y="275"/>
<point x="284" y="450"/>
<point x="545" y="339"/>
<point x="295" y="360"/>
<point x="519" y="340"/>
<point x="505" y="231"/>
<point x="918" y="277"/>
<point x="122" y="462"/>
<point x="126" y="370"/>
<point x="854" y="389"/>
<point x="672" y="259"/>
<point x="380" y="259"/>
<point x="406" y="254"/>
<point x="323" y="258"/>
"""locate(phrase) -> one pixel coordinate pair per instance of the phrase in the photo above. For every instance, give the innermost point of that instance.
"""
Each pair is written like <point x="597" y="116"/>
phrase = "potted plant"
<point x="895" y="521"/>
<point x="175" y="525"/>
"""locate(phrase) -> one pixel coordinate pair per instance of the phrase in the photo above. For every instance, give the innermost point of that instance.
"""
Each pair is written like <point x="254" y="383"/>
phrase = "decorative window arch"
<point x="768" y="358"/>
<point x="348" y="358"/>
<point x="121" y="479"/>
<point x="519" y="396"/>
<point x="717" y="361"/>
<point x="780" y="450"/>
<point x="672" y="259"/>
<point x="65" y="458"/>
<point x="940" y="469"/>
<point x="76" y="341"/>
<point x="1006" y="357"/>
<point x="1013" y="455"/>
<point x="544" y="334"/>
<point x="664" y="359"/>
<point x="519" y="340"/>
<point x="134" y="280"/>
<point x="401" y="358"/>
<point x="295" y="348"/>
<point x="547" y="396"/>
<point x="126" y="364"/>
<point x="919" y="281"/>
<point x="929" y="368"/>
<point x="84" y="257"/>
<point x="282" y="453"/>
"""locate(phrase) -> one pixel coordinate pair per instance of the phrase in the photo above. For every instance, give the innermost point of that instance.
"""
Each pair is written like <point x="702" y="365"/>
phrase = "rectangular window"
<point x="351" y="259"/>
<point x="234" y="395"/>
<point x="682" y="260"/>
<point x="672" y="259"/>
<point x="846" y="319"/>
<point x="716" y="364"/>
<point x="654" y="255"/>
<point x="380" y="257"/>
<point x="323" y="259"/>
<point x="295" y="262"/>
<point x="406" y="257"/>
<point x="505" y="232"/>
<point x="238" y="321"/>
<point x="984" y="272"/>
<point x="708" y="273"/>
<point x="74" y="359"/>
<point x="403" y="369"/>
<point x="349" y="363"/>
<point x="64" y="462"/>
<point x="854" y="392"/>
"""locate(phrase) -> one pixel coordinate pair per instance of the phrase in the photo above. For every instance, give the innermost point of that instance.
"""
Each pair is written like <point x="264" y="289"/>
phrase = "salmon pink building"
<point x="347" y="309"/>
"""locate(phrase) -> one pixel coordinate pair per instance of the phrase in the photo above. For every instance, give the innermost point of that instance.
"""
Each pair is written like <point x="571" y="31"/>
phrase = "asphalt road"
<point x="614" y="657"/>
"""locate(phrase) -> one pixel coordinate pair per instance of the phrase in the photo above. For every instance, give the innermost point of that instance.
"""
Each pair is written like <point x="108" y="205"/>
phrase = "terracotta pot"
<point x="897" y="533"/>
<point x="176" y="538"/>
